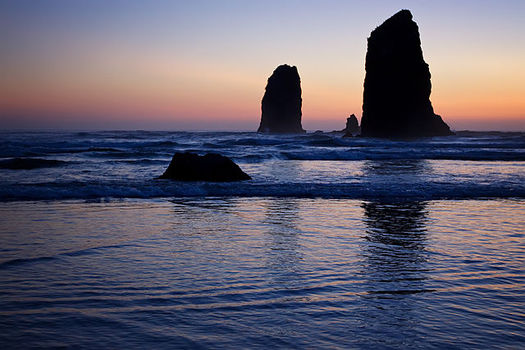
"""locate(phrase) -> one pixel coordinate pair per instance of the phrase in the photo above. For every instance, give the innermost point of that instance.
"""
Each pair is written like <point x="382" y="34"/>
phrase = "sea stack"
<point x="352" y="126"/>
<point x="396" y="98"/>
<point x="281" y="104"/>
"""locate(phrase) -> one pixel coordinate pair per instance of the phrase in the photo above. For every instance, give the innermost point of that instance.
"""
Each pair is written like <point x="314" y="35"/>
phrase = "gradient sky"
<point x="203" y="65"/>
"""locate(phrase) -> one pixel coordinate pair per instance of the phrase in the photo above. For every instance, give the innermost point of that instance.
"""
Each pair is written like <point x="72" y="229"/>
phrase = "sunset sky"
<point x="203" y="65"/>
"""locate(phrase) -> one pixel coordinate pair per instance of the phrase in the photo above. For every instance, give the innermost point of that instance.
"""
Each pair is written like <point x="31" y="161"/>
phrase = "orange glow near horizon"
<point x="157" y="90"/>
<point x="215" y="96"/>
<point x="209" y="67"/>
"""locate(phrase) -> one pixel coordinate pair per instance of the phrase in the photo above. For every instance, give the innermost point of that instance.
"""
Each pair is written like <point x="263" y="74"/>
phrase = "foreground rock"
<point x="281" y="104"/>
<point x="396" y="99"/>
<point x="210" y="167"/>
<point x="352" y="126"/>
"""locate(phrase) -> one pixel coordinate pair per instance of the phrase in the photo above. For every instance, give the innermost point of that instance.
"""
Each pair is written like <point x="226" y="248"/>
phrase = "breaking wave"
<point x="123" y="164"/>
<point x="167" y="188"/>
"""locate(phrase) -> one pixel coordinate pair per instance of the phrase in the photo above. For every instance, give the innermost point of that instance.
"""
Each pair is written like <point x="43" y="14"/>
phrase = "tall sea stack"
<point x="396" y="99"/>
<point x="281" y="104"/>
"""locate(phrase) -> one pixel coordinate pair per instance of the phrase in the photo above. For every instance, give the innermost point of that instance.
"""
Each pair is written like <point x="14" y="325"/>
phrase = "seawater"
<point x="335" y="243"/>
<point x="97" y="165"/>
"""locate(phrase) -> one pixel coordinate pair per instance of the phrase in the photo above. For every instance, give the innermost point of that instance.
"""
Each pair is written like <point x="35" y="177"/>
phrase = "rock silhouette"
<point x="352" y="126"/>
<point x="396" y="98"/>
<point x="29" y="163"/>
<point x="210" y="167"/>
<point x="281" y="104"/>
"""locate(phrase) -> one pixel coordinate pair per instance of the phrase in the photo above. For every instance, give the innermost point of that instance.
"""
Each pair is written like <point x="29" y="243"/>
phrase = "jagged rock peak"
<point x="281" y="103"/>
<point x="352" y="126"/>
<point x="396" y="98"/>
<point x="401" y="16"/>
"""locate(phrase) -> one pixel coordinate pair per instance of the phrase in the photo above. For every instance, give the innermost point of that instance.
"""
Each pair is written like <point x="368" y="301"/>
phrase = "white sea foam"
<point x="125" y="164"/>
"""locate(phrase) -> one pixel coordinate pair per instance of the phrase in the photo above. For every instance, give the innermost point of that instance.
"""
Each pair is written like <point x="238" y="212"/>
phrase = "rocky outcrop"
<point x="281" y="104"/>
<point x="29" y="163"/>
<point x="210" y="167"/>
<point x="352" y="126"/>
<point x="396" y="99"/>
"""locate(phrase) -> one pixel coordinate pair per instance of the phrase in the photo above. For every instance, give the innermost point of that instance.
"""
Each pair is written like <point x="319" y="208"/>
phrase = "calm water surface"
<point x="263" y="272"/>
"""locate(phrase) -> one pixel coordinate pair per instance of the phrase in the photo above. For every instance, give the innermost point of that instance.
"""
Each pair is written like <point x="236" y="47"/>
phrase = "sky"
<point x="203" y="65"/>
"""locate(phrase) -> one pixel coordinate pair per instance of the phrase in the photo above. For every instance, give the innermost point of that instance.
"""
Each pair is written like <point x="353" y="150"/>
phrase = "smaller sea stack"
<point x="352" y="126"/>
<point x="281" y="104"/>
<point x="396" y="98"/>
<point x="210" y="167"/>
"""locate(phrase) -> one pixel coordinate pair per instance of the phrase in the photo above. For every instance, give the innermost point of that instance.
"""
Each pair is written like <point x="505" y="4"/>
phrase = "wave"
<point x="314" y="146"/>
<point x="29" y="163"/>
<point x="167" y="188"/>
<point x="255" y="141"/>
<point x="92" y="158"/>
<point x="135" y="148"/>
<point x="81" y="150"/>
<point x="143" y="161"/>
<point x="20" y="261"/>
<point x="409" y="154"/>
<point x="73" y="253"/>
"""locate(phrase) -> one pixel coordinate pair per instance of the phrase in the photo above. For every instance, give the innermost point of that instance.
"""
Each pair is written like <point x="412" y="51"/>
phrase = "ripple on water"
<point x="259" y="272"/>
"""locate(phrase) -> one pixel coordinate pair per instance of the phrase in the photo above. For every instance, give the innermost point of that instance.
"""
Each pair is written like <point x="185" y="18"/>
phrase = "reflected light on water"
<point x="285" y="272"/>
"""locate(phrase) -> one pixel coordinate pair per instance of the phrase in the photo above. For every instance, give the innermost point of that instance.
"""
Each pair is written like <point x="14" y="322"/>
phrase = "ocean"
<point x="334" y="243"/>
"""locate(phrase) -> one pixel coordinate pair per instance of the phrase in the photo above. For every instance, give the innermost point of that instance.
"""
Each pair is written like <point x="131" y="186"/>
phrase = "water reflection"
<point x="187" y="210"/>
<point x="283" y="253"/>
<point x="396" y="225"/>
<point x="394" y="267"/>
<point x="394" y="256"/>
<point x="407" y="167"/>
<point x="396" y="231"/>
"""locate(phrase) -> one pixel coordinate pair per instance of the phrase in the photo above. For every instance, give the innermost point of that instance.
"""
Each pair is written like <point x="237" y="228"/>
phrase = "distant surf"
<point x="124" y="164"/>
